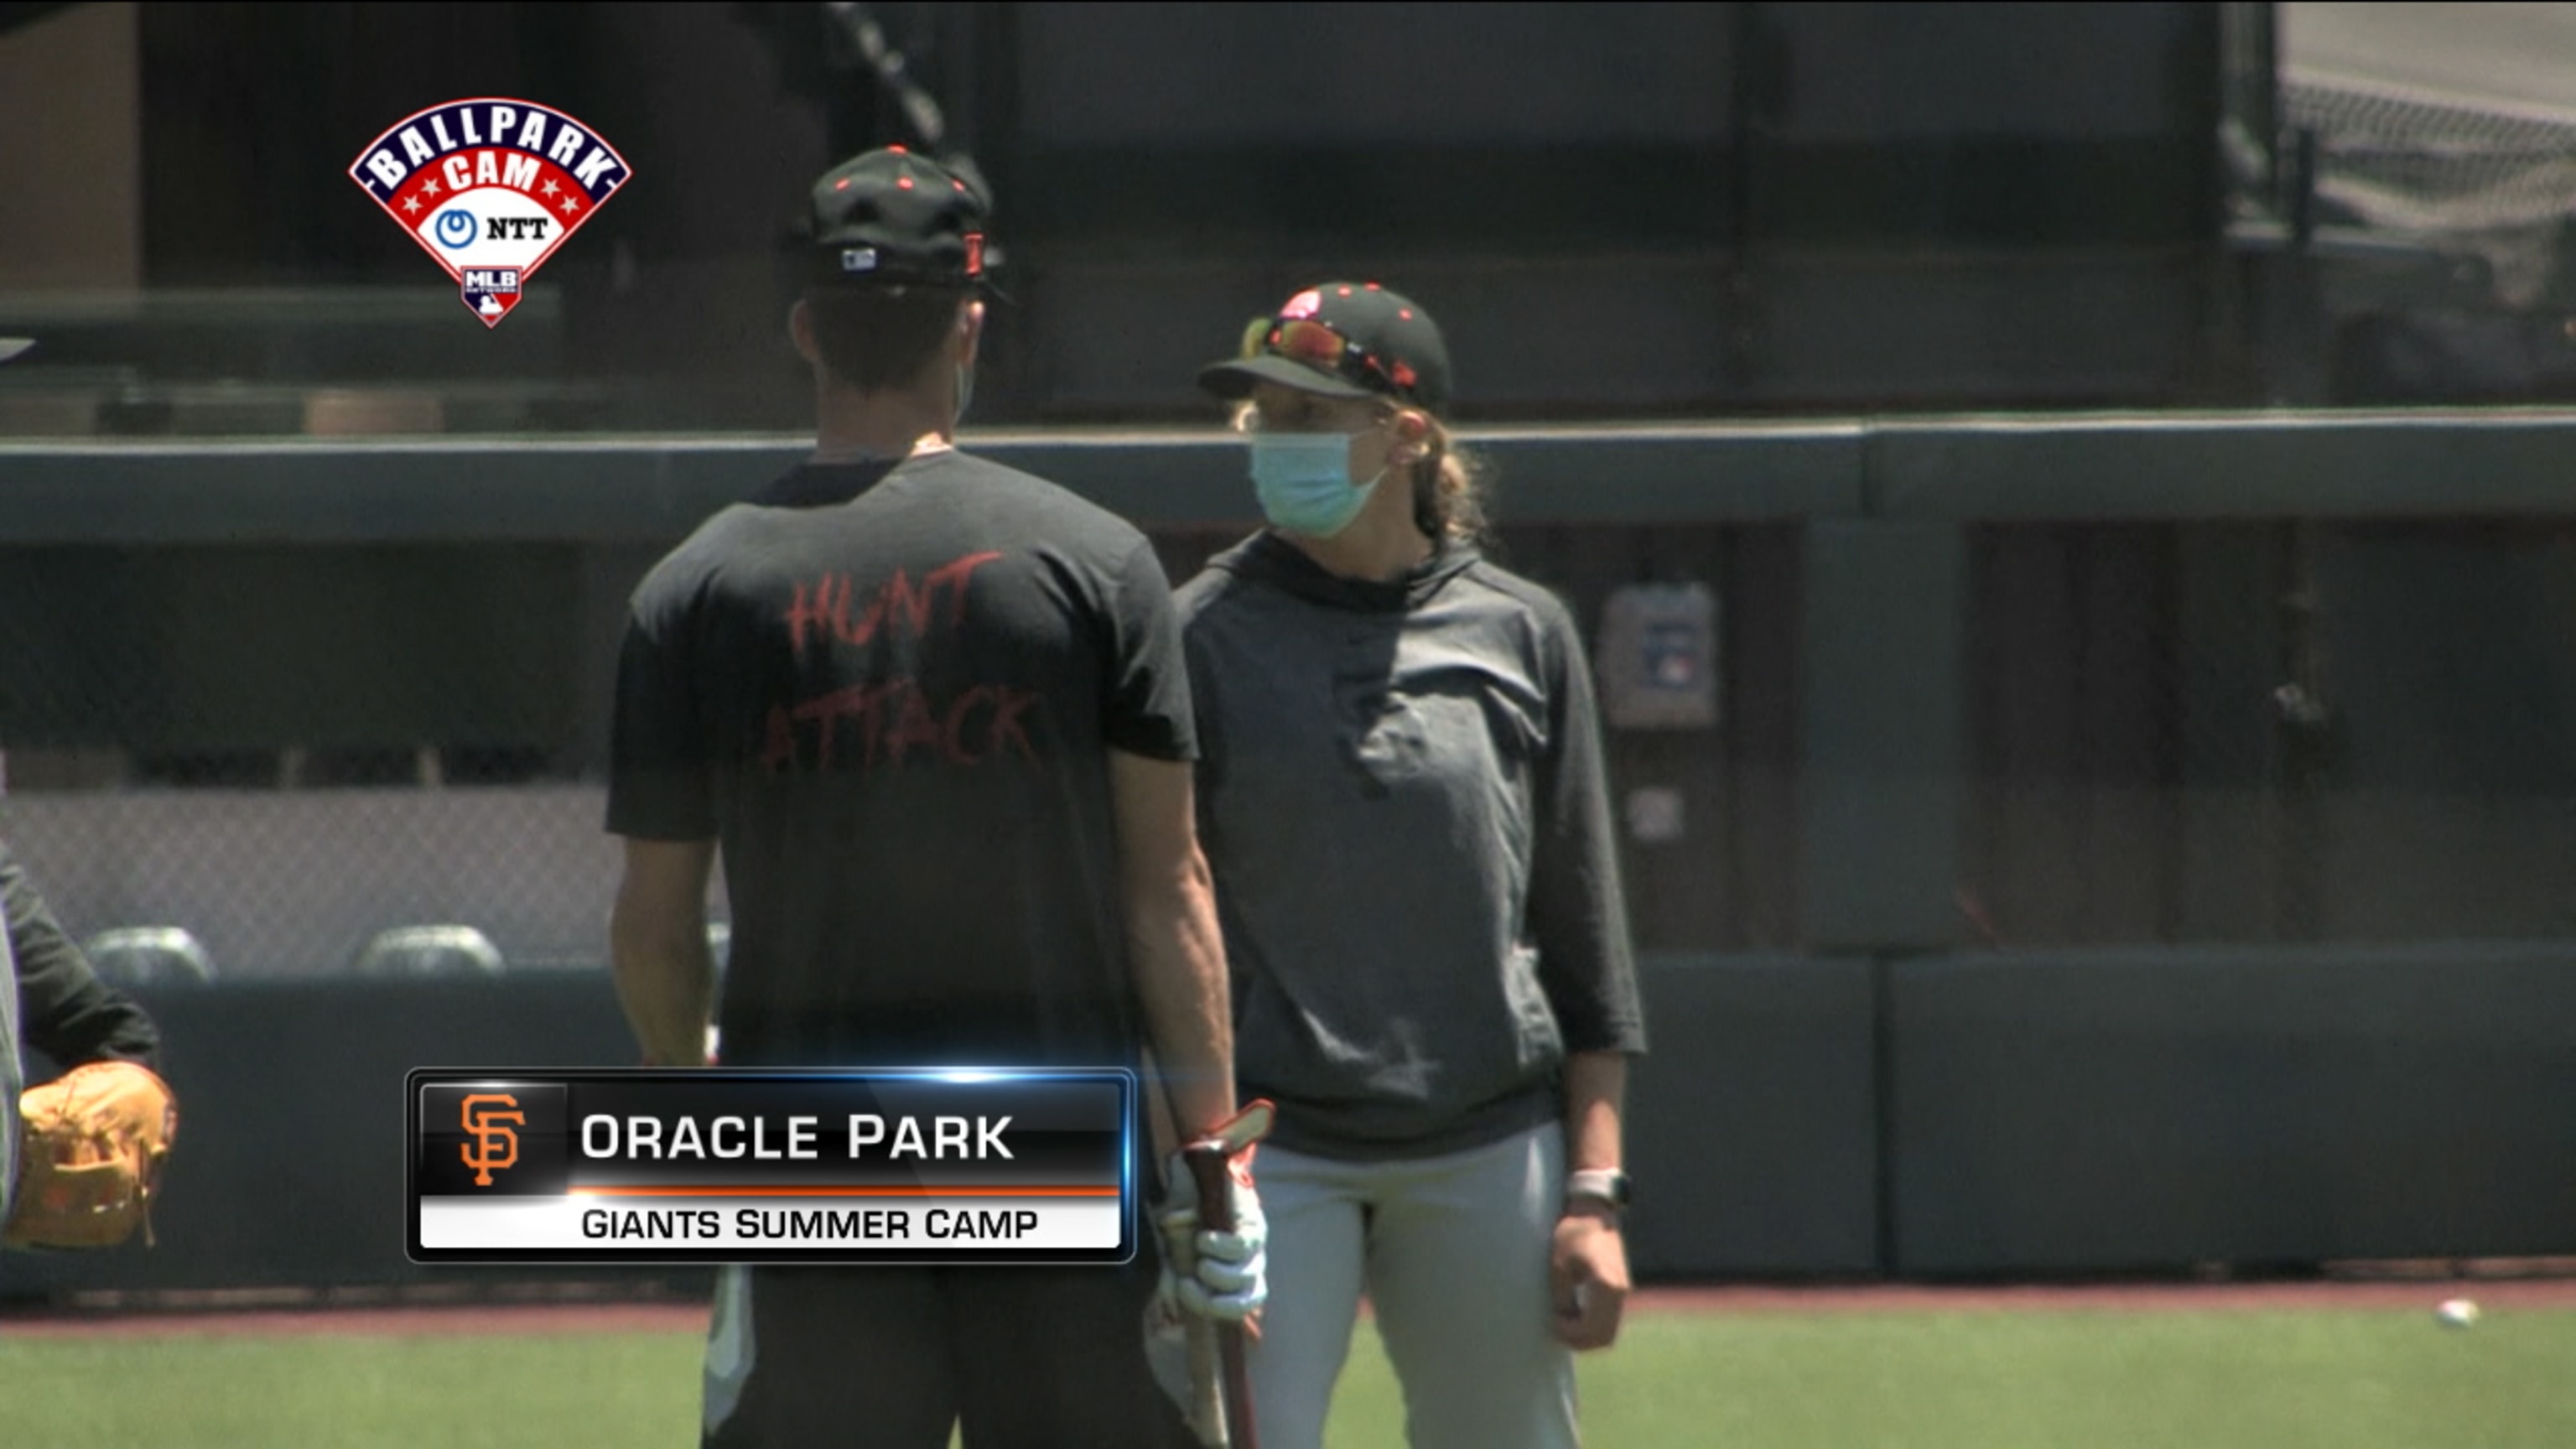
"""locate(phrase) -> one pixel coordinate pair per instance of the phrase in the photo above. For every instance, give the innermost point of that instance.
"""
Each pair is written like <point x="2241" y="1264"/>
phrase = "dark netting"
<point x="285" y="753"/>
<point x="2284" y="730"/>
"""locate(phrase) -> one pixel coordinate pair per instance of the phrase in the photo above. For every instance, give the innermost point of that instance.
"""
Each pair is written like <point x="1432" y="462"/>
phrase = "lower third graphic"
<point x="911" y="1165"/>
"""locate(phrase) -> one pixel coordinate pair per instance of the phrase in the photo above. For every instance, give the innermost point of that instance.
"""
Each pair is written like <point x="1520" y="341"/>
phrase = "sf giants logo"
<point x="495" y="1146"/>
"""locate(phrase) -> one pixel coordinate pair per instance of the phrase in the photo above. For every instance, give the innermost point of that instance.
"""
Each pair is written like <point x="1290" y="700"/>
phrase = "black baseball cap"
<point x="890" y="217"/>
<point x="12" y="346"/>
<point x="1343" y="339"/>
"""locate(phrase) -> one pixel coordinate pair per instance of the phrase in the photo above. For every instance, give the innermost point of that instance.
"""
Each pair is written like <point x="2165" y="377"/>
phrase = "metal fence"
<point x="294" y="882"/>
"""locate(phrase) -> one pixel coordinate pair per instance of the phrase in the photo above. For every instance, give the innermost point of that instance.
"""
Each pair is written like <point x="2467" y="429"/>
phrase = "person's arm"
<point x="1578" y="917"/>
<point x="657" y="938"/>
<point x="1589" y="1254"/>
<point x="661" y="804"/>
<point x="1176" y="951"/>
<point x="64" y="1010"/>
<point x="1596" y="1087"/>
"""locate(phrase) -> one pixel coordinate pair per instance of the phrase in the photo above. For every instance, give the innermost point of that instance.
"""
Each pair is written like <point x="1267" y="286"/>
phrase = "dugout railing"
<point x="2126" y="843"/>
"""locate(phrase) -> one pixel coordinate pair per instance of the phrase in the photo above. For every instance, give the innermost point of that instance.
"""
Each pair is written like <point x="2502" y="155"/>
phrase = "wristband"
<point x="1603" y="1184"/>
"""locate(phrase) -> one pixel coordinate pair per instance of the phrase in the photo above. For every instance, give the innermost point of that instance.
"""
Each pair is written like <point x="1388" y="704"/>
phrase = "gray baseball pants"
<point x="1452" y="1252"/>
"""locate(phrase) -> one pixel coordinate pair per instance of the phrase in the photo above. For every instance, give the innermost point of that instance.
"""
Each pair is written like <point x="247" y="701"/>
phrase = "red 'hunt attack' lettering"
<point x="895" y="720"/>
<point x="824" y="606"/>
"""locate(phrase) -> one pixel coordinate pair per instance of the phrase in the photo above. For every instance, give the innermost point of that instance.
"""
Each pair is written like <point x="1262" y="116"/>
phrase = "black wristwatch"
<point x="1600" y="1184"/>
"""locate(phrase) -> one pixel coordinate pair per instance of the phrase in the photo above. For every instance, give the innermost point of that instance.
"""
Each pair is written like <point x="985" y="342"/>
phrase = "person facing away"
<point x="931" y="715"/>
<point x="1403" y="799"/>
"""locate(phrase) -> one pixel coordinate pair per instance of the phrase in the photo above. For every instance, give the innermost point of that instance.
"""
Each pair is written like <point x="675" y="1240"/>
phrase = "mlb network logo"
<point x="489" y="188"/>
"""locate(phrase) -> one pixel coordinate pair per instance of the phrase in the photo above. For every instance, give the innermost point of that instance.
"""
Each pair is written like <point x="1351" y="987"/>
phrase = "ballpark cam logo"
<point x="494" y="1146"/>
<point x="490" y="188"/>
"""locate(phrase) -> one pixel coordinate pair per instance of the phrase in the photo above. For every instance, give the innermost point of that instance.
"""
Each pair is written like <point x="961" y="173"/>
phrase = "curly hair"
<point x="1449" y="489"/>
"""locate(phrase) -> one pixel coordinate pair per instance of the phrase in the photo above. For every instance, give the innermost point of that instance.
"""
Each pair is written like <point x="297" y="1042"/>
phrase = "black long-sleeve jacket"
<point x="1403" y="798"/>
<point x="64" y="1010"/>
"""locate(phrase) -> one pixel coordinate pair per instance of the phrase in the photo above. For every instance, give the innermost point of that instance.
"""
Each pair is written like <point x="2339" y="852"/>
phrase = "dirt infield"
<point x="2395" y="1292"/>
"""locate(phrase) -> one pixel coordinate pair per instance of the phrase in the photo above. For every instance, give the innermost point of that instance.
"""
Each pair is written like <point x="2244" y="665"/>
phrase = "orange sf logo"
<point x="494" y="1146"/>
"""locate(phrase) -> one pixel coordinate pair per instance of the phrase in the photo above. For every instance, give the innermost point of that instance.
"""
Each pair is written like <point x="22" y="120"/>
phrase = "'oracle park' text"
<point x="657" y="1139"/>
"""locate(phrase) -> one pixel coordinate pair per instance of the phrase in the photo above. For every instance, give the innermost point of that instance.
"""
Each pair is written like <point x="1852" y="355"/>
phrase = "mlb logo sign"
<point x="491" y="291"/>
<point x="489" y="188"/>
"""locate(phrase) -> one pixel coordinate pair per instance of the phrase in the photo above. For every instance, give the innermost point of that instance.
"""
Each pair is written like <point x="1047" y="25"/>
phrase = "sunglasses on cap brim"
<point x="1305" y="340"/>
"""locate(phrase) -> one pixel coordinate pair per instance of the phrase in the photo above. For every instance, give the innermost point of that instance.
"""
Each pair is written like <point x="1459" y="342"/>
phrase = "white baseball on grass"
<point x="2457" y="1312"/>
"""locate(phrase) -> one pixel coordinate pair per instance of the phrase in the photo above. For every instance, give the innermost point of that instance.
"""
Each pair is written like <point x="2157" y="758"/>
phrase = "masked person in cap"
<point x="932" y="714"/>
<point x="1402" y="794"/>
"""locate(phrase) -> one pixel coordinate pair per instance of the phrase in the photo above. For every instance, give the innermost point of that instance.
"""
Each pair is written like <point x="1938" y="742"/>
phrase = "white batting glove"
<point x="1213" y="1273"/>
<point x="1220" y="1275"/>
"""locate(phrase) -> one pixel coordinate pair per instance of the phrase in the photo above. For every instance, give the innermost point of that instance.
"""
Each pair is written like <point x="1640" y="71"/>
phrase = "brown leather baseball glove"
<point x="91" y="1145"/>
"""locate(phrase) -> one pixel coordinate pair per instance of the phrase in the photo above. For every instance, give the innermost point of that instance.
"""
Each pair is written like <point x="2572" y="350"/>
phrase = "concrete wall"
<point x="72" y="166"/>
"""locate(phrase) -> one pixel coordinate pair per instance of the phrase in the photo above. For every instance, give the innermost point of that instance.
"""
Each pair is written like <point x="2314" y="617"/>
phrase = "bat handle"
<point x="1208" y="1172"/>
<point x="1208" y="1169"/>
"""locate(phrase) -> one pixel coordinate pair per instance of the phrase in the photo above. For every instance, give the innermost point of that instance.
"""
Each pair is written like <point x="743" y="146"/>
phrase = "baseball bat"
<point x="1206" y="1406"/>
<point x="1207" y="1393"/>
<point x="1216" y="1211"/>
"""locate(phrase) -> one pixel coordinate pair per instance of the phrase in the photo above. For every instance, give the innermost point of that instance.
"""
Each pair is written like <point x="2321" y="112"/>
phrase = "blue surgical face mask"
<point x="1304" y="482"/>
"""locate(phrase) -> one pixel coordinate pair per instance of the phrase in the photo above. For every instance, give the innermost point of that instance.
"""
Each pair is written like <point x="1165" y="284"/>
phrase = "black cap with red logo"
<point x="890" y="217"/>
<point x="1343" y="339"/>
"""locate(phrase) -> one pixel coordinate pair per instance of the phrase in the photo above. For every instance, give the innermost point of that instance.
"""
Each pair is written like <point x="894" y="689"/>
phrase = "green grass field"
<point x="2241" y="1379"/>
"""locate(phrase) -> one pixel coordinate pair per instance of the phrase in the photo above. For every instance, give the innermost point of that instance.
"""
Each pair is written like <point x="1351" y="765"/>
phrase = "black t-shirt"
<point x="889" y="693"/>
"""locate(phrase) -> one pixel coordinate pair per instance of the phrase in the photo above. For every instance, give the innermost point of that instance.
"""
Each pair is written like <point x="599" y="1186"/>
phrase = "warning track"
<point x="2388" y="1294"/>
